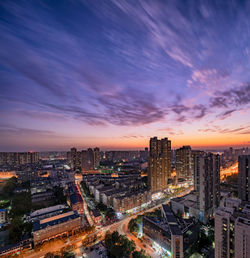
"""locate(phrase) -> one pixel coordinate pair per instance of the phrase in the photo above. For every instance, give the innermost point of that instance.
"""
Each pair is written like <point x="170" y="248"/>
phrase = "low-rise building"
<point x="64" y="224"/>
<point x="76" y="203"/>
<point x="174" y="235"/>
<point x="43" y="196"/>
<point x="46" y="212"/>
<point x="130" y="200"/>
<point x="96" y="216"/>
<point x="187" y="206"/>
<point x="3" y="217"/>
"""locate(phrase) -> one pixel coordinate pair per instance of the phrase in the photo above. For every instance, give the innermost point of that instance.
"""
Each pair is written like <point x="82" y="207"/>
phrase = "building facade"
<point x="159" y="169"/>
<point x="63" y="224"/>
<point x="207" y="183"/>
<point x="232" y="230"/>
<point x="244" y="177"/>
<point x="96" y="158"/>
<point x="184" y="163"/>
<point x="174" y="235"/>
<point x="19" y="158"/>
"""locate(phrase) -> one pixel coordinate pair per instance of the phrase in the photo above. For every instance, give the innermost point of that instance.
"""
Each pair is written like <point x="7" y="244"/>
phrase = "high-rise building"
<point x="19" y="158"/>
<point x="184" y="164"/>
<point x="87" y="159"/>
<point x="74" y="159"/>
<point x="96" y="158"/>
<point x="232" y="230"/>
<point x="159" y="164"/>
<point x="207" y="183"/>
<point x="244" y="177"/>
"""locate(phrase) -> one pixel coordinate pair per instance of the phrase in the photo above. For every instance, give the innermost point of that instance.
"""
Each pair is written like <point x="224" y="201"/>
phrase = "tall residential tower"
<point x="207" y="183"/>
<point x="184" y="164"/>
<point x="244" y="178"/>
<point x="159" y="164"/>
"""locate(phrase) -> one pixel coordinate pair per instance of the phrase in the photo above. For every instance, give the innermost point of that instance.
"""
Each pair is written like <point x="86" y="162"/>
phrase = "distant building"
<point x="64" y="224"/>
<point x="144" y="154"/>
<point x="159" y="164"/>
<point x="18" y="158"/>
<point x="244" y="177"/>
<point x="74" y="159"/>
<point x="27" y="175"/>
<point x="232" y="230"/>
<point x="184" y="163"/>
<point x="96" y="158"/>
<point x="88" y="159"/>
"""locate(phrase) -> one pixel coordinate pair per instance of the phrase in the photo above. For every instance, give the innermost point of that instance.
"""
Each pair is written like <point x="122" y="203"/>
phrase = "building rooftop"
<point x="96" y="213"/>
<point x="48" y="210"/>
<point x="75" y="198"/>
<point x="189" y="200"/>
<point x="58" y="219"/>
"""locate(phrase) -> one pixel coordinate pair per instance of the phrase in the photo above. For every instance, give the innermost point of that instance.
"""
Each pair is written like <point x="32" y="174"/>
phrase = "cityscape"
<point x="124" y="129"/>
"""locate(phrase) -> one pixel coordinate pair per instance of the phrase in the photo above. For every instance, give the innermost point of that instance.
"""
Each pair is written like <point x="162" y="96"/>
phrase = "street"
<point x="120" y="226"/>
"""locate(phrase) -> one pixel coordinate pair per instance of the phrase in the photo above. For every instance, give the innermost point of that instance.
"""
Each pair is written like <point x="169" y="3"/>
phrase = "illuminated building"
<point x="159" y="169"/>
<point x="46" y="212"/>
<point x="64" y="224"/>
<point x="3" y="217"/>
<point x="184" y="164"/>
<point x="244" y="177"/>
<point x="129" y="201"/>
<point x="88" y="159"/>
<point x="96" y="216"/>
<point x="173" y="235"/>
<point x="74" y="159"/>
<point x="19" y="158"/>
<point x="76" y="203"/>
<point x="207" y="183"/>
<point x="96" y="158"/>
<point x="232" y="230"/>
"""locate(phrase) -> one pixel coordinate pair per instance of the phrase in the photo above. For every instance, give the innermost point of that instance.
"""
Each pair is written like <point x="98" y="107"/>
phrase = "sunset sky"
<point x="115" y="73"/>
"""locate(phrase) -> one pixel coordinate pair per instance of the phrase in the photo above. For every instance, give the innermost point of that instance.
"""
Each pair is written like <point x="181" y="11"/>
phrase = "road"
<point x="120" y="226"/>
<point x="229" y="171"/>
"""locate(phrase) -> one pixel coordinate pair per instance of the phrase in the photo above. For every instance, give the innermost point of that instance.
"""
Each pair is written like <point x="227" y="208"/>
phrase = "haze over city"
<point x="109" y="74"/>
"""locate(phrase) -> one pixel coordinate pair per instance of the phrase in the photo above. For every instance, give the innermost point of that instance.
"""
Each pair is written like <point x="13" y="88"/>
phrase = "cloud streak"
<point x="118" y="64"/>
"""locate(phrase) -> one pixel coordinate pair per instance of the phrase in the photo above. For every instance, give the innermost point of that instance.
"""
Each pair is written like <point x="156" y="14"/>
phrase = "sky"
<point x="115" y="73"/>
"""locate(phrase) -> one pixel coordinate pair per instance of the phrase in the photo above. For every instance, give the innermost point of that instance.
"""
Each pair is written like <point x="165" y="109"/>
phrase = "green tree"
<point x="21" y="204"/>
<point x="118" y="245"/>
<point x="133" y="226"/>
<point x="60" y="198"/>
<point x="8" y="188"/>
<point x="16" y="230"/>
<point x="49" y="255"/>
<point x="139" y="254"/>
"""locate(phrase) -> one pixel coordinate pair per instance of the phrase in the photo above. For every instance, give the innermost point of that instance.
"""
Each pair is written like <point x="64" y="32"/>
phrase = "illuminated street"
<point x="229" y="171"/>
<point x="120" y="226"/>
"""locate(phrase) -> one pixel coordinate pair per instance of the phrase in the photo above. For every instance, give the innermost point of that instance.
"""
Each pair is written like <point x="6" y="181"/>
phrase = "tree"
<point x="9" y="187"/>
<point x="60" y="198"/>
<point x="133" y="226"/>
<point x="16" y="230"/>
<point x="49" y="255"/>
<point x="137" y="254"/>
<point x="21" y="204"/>
<point x="118" y="245"/>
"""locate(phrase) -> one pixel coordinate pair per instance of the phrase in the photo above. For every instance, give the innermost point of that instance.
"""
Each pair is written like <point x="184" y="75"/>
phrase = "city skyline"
<point x="111" y="75"/>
